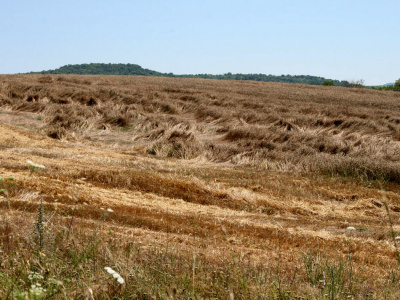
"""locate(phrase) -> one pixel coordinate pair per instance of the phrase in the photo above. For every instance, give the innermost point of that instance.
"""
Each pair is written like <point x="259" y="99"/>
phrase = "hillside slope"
<point x="208" y="188"/>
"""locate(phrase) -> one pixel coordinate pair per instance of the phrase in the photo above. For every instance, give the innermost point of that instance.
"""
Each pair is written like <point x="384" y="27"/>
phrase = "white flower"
<point x="33" y="276"/>
<point x="35" y="165"/>
<point x="121" y="280"/>
<point x="110" y="210"/>
<point x="351" y="228"/>
<point x="115" y="275"/>
<point x="36" y="291"/>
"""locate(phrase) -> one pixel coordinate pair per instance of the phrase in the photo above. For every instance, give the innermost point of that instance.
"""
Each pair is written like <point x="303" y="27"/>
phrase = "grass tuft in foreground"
<point x="64" y="261"/>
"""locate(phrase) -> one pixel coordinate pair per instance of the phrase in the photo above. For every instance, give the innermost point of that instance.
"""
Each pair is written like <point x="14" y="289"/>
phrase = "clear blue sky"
<point x="338" y="39"/>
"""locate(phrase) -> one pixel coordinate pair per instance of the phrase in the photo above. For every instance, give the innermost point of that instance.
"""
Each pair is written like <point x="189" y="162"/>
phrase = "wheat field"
<point x="200" y="189"/>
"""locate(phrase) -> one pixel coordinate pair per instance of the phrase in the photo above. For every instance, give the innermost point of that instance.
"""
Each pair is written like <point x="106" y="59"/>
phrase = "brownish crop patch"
<point x="207" y="188"/>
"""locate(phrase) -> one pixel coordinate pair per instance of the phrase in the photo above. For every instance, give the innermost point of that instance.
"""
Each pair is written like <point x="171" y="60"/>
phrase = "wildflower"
<point x="115" y="275"/>
<point x="34" y="165"/>
<point x="120" y="280"/>
<point x="351" y="228"/>
<point x="33" y="276"/>
<point x="110" y="210"/>
<point x="36" y="291"/>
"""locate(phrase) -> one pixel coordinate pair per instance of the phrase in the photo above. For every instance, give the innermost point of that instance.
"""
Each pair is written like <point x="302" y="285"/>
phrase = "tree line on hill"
<point x="102" y="69"/>
<point x="392" y="87"/>
<point x="133" y="69"/>
<point x="360" y="83"/>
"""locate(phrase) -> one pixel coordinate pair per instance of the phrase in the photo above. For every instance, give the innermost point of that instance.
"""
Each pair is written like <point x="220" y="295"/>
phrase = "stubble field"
<point x="192" y="188"/>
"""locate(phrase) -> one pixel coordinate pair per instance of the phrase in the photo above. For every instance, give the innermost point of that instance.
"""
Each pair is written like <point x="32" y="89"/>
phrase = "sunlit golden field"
<point x="200" y="189"/>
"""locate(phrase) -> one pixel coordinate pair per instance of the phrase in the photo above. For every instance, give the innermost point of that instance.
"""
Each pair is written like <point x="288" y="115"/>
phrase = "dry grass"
<point x="218" y="189"/>
<point x="279" y="126"/>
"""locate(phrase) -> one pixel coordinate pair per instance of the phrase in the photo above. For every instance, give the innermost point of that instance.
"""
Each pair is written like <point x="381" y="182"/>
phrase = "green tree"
<point x="328" y="83"/>
<point x="397" y="85"/>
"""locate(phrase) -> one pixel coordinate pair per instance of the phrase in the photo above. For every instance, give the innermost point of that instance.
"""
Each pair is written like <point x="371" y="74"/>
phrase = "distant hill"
<point x="387" y="87"/>
<point x="132" y="69"/>
<point x="102" y="69"/>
